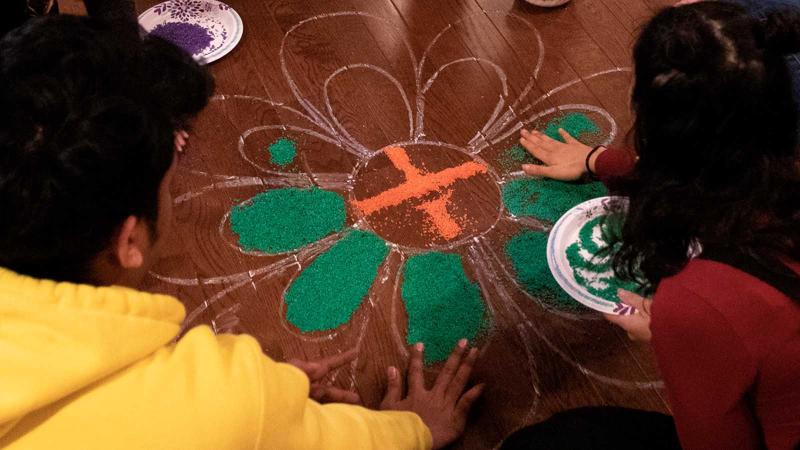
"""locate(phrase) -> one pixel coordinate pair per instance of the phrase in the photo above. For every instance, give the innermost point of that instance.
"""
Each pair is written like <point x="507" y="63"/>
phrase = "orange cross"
<point x="419" y="184"/>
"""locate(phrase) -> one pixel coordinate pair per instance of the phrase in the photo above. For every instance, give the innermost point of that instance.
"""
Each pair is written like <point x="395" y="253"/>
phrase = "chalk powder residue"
<point x="189" y="36"/>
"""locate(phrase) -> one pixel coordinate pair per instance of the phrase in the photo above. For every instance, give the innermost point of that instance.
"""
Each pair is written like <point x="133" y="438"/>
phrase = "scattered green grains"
<point x="578" y="125"/>
<point x="327" y="293"/>
<point x="514" y="157"/>
<point x="545" y="198"/>
<point x="443" y="306"/>
<point x="281" y="220"/>
<point x="527" y="252"/>
<point x="282" y="152"/>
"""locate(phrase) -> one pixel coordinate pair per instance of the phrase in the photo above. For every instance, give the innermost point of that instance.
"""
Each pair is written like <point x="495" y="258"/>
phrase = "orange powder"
<point x="440" y="219"/>
<point x="400" y="160"/>
<point x="419" y="186"/>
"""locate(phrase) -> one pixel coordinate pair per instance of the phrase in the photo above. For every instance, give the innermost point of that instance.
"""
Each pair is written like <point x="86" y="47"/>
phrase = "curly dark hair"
<point x="716" y="135"/>
<point x="86" y="136"/>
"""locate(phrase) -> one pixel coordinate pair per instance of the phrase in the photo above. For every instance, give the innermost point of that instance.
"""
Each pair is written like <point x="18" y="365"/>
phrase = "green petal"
<point x="547" y="199"/>
<point x="443" y="306"/>
<point x="527" y="252"/>
<point x="578" y="125"/>
<point x="326" y="294"/>
<point x="282" y="220"/>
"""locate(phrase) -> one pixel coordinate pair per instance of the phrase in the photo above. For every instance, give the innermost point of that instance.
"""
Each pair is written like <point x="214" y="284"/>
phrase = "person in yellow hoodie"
<point x="87" y="361"/>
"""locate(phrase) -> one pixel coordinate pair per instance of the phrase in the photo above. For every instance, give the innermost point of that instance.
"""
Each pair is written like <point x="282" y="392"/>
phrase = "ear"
<point x="132" y="242"/>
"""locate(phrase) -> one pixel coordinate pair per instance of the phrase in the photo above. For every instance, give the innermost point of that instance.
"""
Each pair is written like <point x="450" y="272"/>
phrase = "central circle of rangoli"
<point x="424" y="196"/>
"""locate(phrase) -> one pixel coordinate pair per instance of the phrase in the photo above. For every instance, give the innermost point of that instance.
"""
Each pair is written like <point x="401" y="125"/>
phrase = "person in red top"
<point x="715" y="170"/>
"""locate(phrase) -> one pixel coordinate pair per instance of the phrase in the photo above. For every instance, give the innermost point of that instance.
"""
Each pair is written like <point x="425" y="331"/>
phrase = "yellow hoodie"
<point x="84" y="367"/>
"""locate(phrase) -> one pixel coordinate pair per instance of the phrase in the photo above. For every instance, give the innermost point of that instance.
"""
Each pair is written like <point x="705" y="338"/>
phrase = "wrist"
<point x="591" y="158"/>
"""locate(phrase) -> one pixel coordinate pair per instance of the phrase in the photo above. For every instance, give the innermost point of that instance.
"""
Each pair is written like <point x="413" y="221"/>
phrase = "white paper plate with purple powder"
<point x="207" y="29"/>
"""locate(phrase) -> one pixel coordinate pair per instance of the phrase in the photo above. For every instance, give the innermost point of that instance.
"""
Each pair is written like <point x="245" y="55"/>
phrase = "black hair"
<point x="716" y="135"/>
<point x="87" y="117"/>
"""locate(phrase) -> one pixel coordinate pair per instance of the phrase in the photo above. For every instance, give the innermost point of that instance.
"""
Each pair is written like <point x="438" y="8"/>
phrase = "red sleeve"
<point x="707" y="371"/>
<point x="614" y="162"/>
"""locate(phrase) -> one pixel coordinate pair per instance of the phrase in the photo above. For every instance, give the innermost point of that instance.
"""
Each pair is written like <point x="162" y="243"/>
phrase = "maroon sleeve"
<point x="614" y="162"/>
<point x="706" y="369"/>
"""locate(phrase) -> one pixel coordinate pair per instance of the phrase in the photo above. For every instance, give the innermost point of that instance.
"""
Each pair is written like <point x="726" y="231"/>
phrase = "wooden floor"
<point x="449" y="80"/>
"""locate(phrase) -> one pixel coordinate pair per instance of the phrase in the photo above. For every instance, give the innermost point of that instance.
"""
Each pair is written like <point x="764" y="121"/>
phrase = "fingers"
<point x="535" y="145"/>
<point x="631" y="299"/>
<point x="416" y="379"/>
<point x="450" y="367"/>
<point x="330" y="394"/>
<point x="394" y="390"/>
<point x="467" y="400"/>
<point x="557" y="172"/>
<point x="462" y="375"/>
<point x="339" y="360"/>
<point x="567" y="137"/>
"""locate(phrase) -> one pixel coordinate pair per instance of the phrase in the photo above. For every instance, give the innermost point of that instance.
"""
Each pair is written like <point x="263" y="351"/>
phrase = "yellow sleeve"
<point x="291" y="420"/>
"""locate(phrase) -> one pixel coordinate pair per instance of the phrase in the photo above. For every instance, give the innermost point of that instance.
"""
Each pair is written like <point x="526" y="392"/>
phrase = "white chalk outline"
<point x="492" y="275"/>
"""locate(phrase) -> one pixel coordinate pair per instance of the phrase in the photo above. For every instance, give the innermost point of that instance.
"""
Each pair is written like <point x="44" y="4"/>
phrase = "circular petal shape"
<point x="547" y="199"/>
<point x="527" y="252"/>
<point x="326" y="294"/>
<point x="282" y="220"/>
<point x="443" y="306"/>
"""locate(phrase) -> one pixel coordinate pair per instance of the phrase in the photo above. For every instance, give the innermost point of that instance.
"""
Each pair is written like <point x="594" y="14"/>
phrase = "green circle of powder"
<point x="545" y="198"/>
<point x="527" y="252"/>
<point x="591" y="257"/>
<point x="443" y="305"/>
<point x="327" y="293"/>
<point x="281" y="220"/>
<point x="282" y="152"/>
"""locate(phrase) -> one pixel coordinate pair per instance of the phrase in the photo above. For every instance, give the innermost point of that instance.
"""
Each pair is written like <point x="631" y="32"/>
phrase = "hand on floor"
<point x="562" y="160"/>
<point x="637" y="324"/>
<point x="445" y="406"/>
<point x="319" y="369"/>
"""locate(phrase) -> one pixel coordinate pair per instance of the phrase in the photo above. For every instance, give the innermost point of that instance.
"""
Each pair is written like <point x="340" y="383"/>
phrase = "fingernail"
<point x="462" y="343"/>
<point x="420" y="346"/>
<point x="524" y="131"/>
<point x="392" y="372"/>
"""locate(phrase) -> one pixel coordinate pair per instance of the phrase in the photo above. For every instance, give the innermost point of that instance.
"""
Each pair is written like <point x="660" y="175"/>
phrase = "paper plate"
<point x="564" y="234"/>
<point x="220" y="21"/>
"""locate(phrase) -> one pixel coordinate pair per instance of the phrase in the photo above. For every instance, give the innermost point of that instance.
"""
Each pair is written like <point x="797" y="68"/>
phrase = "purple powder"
<point x="188" y="36"/>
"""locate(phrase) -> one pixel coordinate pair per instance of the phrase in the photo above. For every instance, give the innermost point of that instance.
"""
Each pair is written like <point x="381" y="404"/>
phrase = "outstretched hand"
<point x="562" y="160"/>
<point x="445" y="406"/>
<point x="319" y="369"/>
<point x="637" y="324"/>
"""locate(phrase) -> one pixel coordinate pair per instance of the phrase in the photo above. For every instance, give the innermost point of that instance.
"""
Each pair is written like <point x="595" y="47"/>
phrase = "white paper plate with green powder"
<point x="579" y="253"/>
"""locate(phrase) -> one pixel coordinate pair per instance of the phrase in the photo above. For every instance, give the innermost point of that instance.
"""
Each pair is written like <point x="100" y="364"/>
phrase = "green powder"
<point x="443" y="306"/>
<point x="578" y="125"/>
<point x="514" y="157"/>
<point x="281" y="220"/>
<point x="591" y="257"/>
<point x="282" y="152"/>
<point x="527" y="252"/>
<point x="327" y="293"/>
<point x="545" y="198"/>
